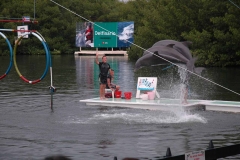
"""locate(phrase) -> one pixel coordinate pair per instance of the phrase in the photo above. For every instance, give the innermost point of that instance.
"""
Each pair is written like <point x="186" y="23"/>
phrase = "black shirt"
<point x="104" y="67"/>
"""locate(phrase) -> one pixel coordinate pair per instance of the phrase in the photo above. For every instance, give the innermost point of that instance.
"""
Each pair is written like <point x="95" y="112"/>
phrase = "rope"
<point x="147" y="50"/>
<point x="234" y="4"/>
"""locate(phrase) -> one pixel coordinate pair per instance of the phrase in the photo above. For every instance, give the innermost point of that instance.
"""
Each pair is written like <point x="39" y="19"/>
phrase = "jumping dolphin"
<point x="181" y="47"/>
<point x="170" y="50"/>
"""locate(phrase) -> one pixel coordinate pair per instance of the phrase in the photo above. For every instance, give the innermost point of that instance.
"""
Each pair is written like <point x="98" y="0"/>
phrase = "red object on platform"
<point x="128" y="95"/>
<point x="118" y="94"/>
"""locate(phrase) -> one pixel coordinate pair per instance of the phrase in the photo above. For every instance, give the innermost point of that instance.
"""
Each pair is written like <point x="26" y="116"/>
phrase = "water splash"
<point x="132" y="116"/>
<point x="184" y="77"/>
<point x="150" y="118"/>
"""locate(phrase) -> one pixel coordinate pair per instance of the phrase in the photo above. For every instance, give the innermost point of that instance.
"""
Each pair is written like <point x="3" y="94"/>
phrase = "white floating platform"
<point x="100" y="53"/>
<point x="158" y="104"/>
<point x="226" y="106"/>
<point x="166" y="104"/>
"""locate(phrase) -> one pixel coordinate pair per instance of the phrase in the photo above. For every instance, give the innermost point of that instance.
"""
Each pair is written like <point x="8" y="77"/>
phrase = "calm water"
<point x="34" y="124"/>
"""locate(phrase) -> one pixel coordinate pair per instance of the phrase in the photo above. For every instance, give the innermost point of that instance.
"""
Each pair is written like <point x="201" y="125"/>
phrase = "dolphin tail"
<point x="199" y="70"/>
<point x="170" y="45"/>
<point x="190" y="64"/>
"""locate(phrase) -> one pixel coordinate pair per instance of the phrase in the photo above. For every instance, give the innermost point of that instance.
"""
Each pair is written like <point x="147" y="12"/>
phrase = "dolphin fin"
<point x="190" y="64"/>
<point x="170" y="45"/>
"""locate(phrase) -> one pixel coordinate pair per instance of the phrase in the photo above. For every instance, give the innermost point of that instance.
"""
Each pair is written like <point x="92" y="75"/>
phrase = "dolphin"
<point x="168" y="51"/>
<point x="162" y="55"/>
<point x="181" y="47"/>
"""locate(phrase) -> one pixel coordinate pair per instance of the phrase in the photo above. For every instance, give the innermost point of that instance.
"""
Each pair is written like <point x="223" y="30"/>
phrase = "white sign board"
<point x="146" y="84"/>
<point x="22" y="30"/>
<point x="195" y="155"/>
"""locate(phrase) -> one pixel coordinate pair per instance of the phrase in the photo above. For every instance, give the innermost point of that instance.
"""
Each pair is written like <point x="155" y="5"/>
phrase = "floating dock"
<point x="165" y="104"/>
<point x="225" y="106"/>
<point x="93" y="53"/>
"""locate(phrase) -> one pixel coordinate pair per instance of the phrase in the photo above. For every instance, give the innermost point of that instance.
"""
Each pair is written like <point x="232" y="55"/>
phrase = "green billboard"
<point x="105" y="34"/>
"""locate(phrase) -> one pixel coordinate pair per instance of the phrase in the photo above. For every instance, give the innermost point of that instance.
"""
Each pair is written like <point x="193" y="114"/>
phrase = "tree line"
<point x="212" y="26"/>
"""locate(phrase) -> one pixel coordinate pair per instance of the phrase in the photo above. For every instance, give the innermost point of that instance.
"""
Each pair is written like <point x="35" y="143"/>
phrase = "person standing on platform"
<point x="104" y="68"/>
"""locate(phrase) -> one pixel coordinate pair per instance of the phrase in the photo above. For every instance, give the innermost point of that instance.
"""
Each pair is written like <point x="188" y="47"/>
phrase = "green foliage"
<point x="212" y="26"/>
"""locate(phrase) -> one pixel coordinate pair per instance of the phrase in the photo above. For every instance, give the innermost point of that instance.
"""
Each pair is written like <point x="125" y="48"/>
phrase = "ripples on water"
<point x="34" y="124"/>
